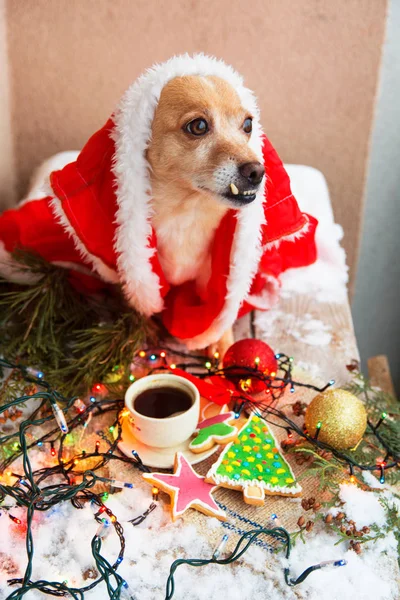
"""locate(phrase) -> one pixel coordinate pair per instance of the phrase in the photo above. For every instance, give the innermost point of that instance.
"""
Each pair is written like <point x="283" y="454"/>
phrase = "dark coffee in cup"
<point x="162" y="402"/>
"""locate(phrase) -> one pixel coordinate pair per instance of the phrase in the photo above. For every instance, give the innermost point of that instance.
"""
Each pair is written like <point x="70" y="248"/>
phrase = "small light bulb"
<point x="257" y="360"/>
<point x="153" y="357"/>
<point x="332" y="563"/>
<point x="220" y="547"/>
<point x="132" y="377"/>
<point x="216" y="354"/>
<point x="35" y="372"/>
<point x="274" y="520"/>
<point x="245" y="384"/>
<point x="163" y="354"/>
<point x="125" y="594"/>
<point x="104" y="528"/>
<point x="80" y="405"/>
<point x="173" y="366"/>
<point x="208" y="365"/>
<point x="155" y="492"/>
<point x="142" y="354"/>
<point x="120" y="484"/>
<point x="15" y="519"/>
<point x="59" y="417"/>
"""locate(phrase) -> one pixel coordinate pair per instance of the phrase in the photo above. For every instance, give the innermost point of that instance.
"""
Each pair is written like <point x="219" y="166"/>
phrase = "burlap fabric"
<point x="288" y="510"/>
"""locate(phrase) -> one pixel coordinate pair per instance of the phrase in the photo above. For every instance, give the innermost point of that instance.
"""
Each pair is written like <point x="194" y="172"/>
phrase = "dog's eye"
<point x="197" y="127"/>
<point x="248" y="125"/>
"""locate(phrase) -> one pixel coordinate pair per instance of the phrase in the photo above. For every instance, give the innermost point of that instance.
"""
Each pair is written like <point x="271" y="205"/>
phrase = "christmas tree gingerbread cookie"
<point x="212" y="431"/>
<point x="252" y="463"/>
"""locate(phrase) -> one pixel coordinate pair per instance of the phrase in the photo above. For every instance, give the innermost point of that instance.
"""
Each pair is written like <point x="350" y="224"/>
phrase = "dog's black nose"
<point x="253" y="172"/>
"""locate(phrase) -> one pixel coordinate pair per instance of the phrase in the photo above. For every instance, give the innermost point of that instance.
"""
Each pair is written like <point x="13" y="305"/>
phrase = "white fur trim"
<point x="268" y="296"/>
<point x="102" y="269"/>
<point x="133" y="120"/>
<point x="292" y="237"/>
<point x="39" y="185"/>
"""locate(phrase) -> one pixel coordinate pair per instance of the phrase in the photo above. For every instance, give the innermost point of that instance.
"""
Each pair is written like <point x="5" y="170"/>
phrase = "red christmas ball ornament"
<point x="250" y="354"/>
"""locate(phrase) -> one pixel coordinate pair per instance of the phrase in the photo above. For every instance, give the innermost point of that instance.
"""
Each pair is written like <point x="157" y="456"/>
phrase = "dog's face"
<point x="200" y="141"/>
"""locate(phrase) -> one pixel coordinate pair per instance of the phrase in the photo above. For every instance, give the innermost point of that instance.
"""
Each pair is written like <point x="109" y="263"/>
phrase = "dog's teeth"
<point x="234" y="189"/>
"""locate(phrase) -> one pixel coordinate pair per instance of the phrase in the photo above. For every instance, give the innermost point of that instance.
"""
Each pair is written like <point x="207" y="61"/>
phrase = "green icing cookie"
<point x="254" y="457"/>
<point x="220" y="430"/>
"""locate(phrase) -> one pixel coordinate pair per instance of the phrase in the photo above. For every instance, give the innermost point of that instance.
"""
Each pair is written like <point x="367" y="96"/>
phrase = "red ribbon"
<point x="221" y="391"/>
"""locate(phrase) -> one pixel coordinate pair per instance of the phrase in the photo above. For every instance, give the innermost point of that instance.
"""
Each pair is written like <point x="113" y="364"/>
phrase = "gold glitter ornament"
<point x="340" y="417"/>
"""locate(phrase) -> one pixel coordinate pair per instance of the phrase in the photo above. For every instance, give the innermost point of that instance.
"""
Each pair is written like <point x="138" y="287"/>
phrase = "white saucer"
<point x="159" y="458"/>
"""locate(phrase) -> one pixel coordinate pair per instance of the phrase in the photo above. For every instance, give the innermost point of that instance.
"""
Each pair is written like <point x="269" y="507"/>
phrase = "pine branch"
<point x="75" y="339"/>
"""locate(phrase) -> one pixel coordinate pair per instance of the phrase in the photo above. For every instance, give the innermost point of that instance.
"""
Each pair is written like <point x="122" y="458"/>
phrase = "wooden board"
<point x="328" y="361"/>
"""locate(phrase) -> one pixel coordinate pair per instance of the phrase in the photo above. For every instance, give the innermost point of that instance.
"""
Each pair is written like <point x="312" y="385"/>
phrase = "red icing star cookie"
<point x="187" y="489"/>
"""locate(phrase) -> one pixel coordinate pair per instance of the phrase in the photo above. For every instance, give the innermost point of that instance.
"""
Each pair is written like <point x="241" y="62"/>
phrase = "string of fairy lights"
<point x="274" y="388"/>
<point x="57" y="416"/>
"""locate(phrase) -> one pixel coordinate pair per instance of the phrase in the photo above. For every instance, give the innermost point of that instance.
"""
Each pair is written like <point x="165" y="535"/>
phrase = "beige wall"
<point x="313" y="64"/>
<point x="7" y="165"/>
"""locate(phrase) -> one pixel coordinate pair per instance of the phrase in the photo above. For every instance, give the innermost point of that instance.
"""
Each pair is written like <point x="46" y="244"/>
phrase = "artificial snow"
<point x="372" y="481"/>
<point x="312" y="368"/>
<point x="306" y="329"/>
<point x="361" y="507"/>
<point x="62" y="538"/>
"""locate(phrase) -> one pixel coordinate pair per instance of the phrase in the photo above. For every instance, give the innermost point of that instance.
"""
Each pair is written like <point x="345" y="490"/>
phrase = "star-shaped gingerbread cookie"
<point x="187" y="489"/>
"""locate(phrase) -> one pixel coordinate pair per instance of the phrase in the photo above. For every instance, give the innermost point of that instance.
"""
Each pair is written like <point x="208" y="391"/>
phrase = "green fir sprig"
<point x="76" y="339"/>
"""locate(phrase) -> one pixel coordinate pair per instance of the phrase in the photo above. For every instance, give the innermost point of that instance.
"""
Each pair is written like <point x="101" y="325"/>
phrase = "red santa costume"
<point x="95" y="220"/>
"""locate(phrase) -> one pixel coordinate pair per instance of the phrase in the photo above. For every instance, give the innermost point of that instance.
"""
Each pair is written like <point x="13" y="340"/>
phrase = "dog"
<point x="201" y="165"/>
<point x="179" y="198"/>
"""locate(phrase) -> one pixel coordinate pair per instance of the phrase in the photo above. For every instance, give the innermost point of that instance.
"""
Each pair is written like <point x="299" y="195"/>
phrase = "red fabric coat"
<point x="76" y="226"/>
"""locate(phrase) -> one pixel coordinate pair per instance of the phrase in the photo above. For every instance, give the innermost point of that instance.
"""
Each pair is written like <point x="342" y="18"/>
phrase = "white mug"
<point x="170" y="431"/>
